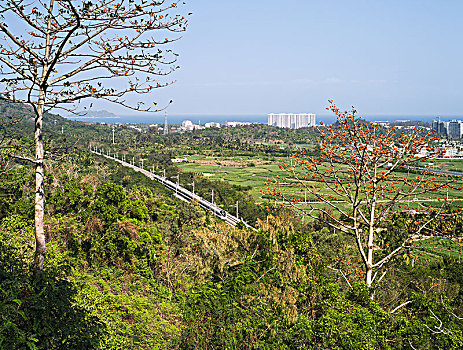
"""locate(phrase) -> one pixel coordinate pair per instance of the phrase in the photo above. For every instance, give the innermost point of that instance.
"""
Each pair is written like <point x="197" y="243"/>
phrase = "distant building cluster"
<point x="384" y="124"/>
<point x="187" y="125"/>
<point x="450" y="149"/>
<point x="212" y="125"/>
<point x="291" y="120"/>
<point x="453" y="151"/>
<point x="404" y="124"/>
<point x="179" y="160"/>
<point x="451" y="129"/>
<point x="233" y="124"/>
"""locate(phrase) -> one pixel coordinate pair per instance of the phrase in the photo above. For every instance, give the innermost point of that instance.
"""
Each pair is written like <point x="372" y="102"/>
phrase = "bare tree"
<point x="365" y="174"/>
<point x="56" y="53"/>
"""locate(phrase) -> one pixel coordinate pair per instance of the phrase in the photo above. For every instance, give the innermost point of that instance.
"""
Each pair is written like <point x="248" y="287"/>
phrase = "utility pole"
<point x="178" y="181"/>
<point x="212" y="192"/>
<point x="236" y="205"/>
<point x="166" y="130"/>
<point x="113" y="134"/>
<point x="193" y="184"/>
<point x="142" y="163"/>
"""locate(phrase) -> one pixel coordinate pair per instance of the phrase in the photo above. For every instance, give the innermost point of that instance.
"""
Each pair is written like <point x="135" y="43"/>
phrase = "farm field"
<point x="450" y="164"/>
<point x="254" y="172"/>
<point x="242" y="171"/>
<point x="443" y="247"/>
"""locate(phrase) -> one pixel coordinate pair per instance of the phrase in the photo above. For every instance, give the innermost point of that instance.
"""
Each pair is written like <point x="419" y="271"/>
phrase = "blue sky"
<point x="384" y="57"/>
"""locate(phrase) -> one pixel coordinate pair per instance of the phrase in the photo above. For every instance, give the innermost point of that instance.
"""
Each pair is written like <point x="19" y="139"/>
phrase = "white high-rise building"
<point x="291" y="120"/>
<point x="455" y="129"/>
<point x="451" y="129"/>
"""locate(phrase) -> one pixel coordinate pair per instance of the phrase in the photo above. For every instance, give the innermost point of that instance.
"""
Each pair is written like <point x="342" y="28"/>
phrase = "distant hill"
<point x="97" y="114"/>
<point x="24" y="113"/>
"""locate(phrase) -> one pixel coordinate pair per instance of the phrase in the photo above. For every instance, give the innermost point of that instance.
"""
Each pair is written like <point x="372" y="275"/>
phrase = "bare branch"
<point x="342" y="274"/>
<point x="401" y="306"/>
<point x="23" y="158"/>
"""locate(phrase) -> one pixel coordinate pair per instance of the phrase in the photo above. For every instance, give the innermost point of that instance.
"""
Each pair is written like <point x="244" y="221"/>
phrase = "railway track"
<point x="181" y="192"/>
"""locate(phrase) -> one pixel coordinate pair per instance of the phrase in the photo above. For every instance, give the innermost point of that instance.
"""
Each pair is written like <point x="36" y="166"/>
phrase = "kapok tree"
<point x="365" y="175"/>
<point x="56" y="53"/>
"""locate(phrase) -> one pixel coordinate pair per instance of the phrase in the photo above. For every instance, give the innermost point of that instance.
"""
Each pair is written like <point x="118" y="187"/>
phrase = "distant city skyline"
<point x="256" y="118"/>
<point x="256" y="57"/>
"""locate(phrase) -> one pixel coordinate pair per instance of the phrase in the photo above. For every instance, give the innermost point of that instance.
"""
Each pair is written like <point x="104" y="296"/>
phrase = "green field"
<point x="450" y="164"/>
<point x="254" y="172"/>
<point x="249" y="171"/>
<point x="441" y="247"/>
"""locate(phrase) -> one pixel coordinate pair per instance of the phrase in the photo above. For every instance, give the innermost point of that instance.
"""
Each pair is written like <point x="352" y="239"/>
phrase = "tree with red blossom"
<point x="57" y="53"/>
<point x="366" y="174"/>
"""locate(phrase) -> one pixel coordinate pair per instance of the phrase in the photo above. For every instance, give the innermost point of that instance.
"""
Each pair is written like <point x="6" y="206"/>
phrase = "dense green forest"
<point x="129" y="266"/>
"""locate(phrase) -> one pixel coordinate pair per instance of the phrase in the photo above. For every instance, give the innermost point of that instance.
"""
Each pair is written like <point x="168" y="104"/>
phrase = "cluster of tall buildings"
<point x="291" y="120"/>
<point x="451" y="129"/>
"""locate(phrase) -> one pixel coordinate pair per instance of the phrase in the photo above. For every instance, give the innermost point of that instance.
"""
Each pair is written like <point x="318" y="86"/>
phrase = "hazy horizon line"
<point x="321" y="115"/>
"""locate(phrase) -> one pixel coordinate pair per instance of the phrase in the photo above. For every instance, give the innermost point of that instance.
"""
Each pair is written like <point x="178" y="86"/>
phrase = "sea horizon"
<point x="252" y="118"/>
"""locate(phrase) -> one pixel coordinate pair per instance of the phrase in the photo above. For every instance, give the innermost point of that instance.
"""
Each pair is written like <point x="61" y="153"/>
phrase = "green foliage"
<point x="16" y="194"/>
<point x="255" y="300"/>
<point x="110" y="298"/>
<point x="73" y="197"/>
<point x="109" y="198"/>
<point x="39" y="312"/>
<point x="136" y="310"/>
<point x="130" y="267"/>
<point x="292" y="303"/>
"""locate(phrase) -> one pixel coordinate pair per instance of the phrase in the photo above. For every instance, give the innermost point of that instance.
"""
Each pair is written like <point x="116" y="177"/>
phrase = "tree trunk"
<point x="371" y="237"/>
<point x="39" y="186"/>
<point x="369" y="267"/>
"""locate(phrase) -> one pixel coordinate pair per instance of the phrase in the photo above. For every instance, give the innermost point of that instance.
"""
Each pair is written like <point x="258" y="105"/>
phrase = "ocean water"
<point x="252" y="118"/>
<point x="174" y="119"/>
